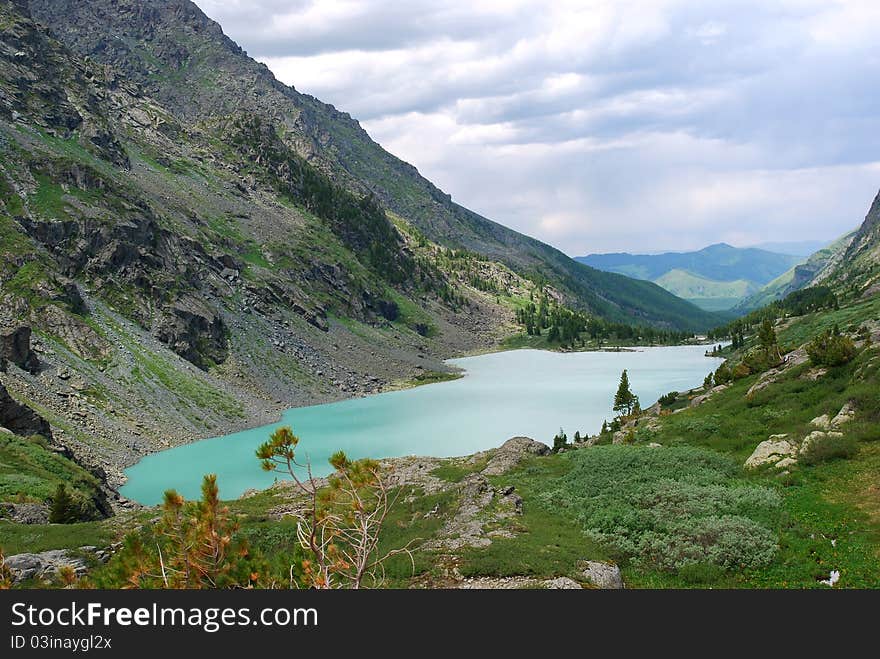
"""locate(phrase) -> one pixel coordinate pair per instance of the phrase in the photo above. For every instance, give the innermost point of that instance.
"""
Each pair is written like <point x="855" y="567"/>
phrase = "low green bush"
<point x="669" y="508"/>
<point x="829" y="448"/>
<point x="830" y="348"/>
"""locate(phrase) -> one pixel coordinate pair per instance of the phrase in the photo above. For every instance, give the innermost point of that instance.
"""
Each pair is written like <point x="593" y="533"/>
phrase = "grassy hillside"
<point x="800" y="276"/>
<point x="706" y="293"/>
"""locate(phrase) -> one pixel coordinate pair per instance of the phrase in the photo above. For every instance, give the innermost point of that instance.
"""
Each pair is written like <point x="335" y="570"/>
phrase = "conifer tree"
<point x="625" y="401"/>
<point x="64" y="509"/>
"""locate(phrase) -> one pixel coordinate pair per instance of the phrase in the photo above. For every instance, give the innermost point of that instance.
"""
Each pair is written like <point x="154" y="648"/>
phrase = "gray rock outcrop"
<point x="20" y="419"/>
<point x="603" y="575"/>
<point x="45" y="564"/>
<point x="771" y="451"/>
<point x="512" y="452"/>
<point x="15" y="348"/>
<point x="25" y="513"/>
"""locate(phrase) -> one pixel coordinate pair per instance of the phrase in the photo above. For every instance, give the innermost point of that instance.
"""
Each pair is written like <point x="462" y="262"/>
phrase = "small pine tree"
<point x="577" y="436"/>
<point x="767" y="338"/>
<point x="604" y="427"/>
<point x="708" y="381"/>
<point x="64" y="509"/>
<point x="625" y="401"/>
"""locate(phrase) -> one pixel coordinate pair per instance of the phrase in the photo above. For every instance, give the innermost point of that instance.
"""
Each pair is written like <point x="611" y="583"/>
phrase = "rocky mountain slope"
<point x="182" y="59"/>
<point x="850" y="265"/>
<point x="716" y="277"/>
<point x="798" y="277"/>
<point x="181" y="281"/>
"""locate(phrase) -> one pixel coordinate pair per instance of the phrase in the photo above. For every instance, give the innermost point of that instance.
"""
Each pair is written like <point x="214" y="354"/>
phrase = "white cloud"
<point x="604" y="124"/>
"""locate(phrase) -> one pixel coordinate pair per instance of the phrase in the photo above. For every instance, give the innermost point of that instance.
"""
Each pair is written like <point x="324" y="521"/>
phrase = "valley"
<point x="206" y="271"/>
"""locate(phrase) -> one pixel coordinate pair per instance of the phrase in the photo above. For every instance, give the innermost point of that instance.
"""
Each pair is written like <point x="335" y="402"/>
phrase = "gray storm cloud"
<point x="602" y="125"/>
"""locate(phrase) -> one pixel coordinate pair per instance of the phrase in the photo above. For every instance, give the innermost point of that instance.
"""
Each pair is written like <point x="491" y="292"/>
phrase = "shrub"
<point x="5" y="573"/>
<point x="831" y="349"/>
<point x="722" y="374"/>
<point x="741" y="371"/>
<point x="671" y="507"/>
<point x="829" y="448"/>
<point x="194" y="545"/>
<point x="64" y="509"/>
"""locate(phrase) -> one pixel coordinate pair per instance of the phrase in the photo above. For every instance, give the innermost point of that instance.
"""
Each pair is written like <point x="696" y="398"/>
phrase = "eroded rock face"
<point x="194" y="331"/>
<point x="771" y="451"/>
<point x="20" y="419"/>
<point x="603" y="575"/>
<point x="512" y="452"/>
<point x="25" y="513"/>
<point x="15" y="347"/>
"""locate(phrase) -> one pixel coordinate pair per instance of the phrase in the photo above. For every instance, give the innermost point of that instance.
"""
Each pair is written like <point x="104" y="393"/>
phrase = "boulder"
<point x="15" y="348"/>
<point x="512" y="452"/>
<point x="43" y="565"/>
<point x="25" y="513"/>
<point x="771" y="451"/>
<point x="603" y="575"/>
<point x="620" y="437"/>
<point x="846" y="414"/>
<point x="20" y="419"/>
<point x="821" y="422"/>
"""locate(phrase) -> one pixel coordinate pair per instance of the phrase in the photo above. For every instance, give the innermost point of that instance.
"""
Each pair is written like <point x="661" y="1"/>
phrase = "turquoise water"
<point x="504" y="394"/>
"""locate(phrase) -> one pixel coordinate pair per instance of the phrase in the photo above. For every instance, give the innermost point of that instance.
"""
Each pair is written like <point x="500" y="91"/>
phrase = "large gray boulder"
<point x="771" y="451"/>
<point x="603" y="575"/>
<point x="43" y="565"/>
<point x="512" y="452"/>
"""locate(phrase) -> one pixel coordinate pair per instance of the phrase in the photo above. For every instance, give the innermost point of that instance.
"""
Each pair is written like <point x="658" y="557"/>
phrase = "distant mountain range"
<point x="717" y="277"/>
<point x="794" y="248"/>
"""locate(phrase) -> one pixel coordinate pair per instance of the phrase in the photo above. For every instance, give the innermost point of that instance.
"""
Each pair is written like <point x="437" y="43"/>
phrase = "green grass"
<point x="546" y="543"/>
<point x="20" y="538"/>
<point x="807" y="327"/>
<point x="433" y="377"/>
<point x="30" y="471"/>
<point x="51" y="200"/>
<point x="833" y="501"/>
<point x="151" y="366"/>
<point x="454" y="471"/>
<point x="407" y="524"/>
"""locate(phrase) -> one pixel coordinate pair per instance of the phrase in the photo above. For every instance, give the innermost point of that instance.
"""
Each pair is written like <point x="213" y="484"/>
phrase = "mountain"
<point x="709" y="294"/>
<point x="188" y="246"/>
<point x="854" y="268"/>
<point x="798" y="277"/>
<point x="793" y="248"/>
<point x="183" y="60"/>
<point x="716" y="277"/>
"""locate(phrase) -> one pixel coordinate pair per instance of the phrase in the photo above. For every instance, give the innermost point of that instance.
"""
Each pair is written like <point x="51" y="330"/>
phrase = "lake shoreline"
<point x="501" y="396"/>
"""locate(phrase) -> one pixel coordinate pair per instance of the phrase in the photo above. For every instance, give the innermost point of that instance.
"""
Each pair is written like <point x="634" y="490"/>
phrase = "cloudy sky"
<point x="604" y="125"/>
